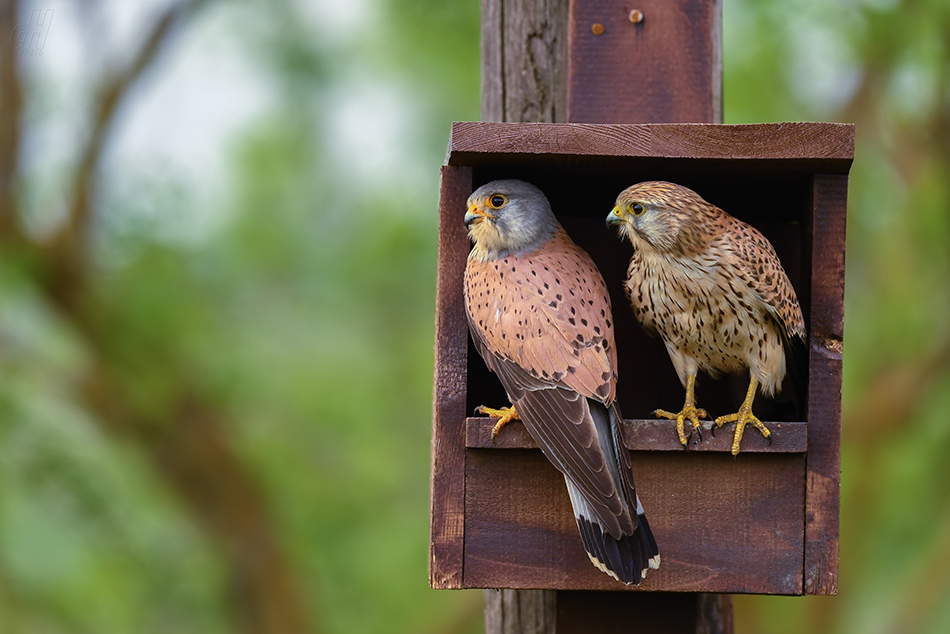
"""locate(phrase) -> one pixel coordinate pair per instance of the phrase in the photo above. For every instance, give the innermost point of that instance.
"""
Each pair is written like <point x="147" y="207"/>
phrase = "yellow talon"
<point x="504" y="415"/>
<point x="743" y="417"/>
<point x="689" y="411"/>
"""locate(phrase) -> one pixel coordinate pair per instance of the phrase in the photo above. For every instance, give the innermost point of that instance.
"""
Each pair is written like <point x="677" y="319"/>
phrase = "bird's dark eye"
<point x="636" y="209"/>
<point x="496" y="201"/>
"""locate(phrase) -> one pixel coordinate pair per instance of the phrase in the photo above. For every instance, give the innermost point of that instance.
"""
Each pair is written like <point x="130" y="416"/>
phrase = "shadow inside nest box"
<point x="774" y="197"/>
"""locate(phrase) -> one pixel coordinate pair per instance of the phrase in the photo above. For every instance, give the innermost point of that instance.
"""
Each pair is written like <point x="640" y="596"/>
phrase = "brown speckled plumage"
<point x="555" y="329"/>
<point x="710" y="285"/>
<point x="539" y="313"/>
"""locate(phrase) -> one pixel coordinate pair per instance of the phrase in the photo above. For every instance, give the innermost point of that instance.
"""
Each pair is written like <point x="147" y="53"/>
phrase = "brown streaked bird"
<point x="539" y="314"/>
<point x="714" y="290"/>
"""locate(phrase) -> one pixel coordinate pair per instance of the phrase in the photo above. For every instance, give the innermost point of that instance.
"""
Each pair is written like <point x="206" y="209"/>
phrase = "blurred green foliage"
<point x="886" y="67"/>
<point x="306" y="318"/>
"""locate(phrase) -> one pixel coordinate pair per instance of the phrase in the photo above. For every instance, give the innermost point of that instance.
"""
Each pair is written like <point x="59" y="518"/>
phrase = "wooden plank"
<point x="829" y="145"/>
<point x="520" y="611"/>
<point x="651" y="435"/>
<point x="665" y="69"/>
<point x="524" y="60"/>
<point x="824" y="403"/>
<point x="723" y="525"/>
<point x="447" y="494"/>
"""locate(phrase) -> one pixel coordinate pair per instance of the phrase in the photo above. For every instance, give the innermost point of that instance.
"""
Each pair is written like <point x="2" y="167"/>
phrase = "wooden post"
<point x="524" y="79"/>
<point x="555" y="61"/>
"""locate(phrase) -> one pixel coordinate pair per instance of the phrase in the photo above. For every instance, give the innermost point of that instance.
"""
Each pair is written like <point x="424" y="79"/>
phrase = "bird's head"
<point x="666" y="216"/>
<point x="508" y="217"/>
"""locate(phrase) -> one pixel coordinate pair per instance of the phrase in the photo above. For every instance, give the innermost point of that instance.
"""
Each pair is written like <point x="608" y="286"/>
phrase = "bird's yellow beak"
<point x="474" y="215"/>
<point x="615" y="217"/>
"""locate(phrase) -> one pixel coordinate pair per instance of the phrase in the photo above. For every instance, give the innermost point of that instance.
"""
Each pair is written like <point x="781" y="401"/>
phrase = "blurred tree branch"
<point x="69" y="245"/>
<point x="192" y="451"/>
<point x="930" y="135"/>
<point x="190" y="447"/>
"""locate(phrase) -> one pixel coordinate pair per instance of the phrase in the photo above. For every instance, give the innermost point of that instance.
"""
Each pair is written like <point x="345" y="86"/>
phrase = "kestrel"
<point x="714" y="290"/>
<point x="539" y="314"/>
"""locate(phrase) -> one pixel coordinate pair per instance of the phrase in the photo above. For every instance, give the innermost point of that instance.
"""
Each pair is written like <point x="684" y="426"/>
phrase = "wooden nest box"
<point x="765" y="522"/>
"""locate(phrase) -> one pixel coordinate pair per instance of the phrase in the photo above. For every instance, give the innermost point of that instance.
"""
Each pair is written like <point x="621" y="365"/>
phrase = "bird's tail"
<point x="628" y="556"/>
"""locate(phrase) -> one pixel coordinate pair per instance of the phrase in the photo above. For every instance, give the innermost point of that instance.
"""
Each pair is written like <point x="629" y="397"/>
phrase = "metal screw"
<point x="636" y="16"/>
<point x="597" y="28"/>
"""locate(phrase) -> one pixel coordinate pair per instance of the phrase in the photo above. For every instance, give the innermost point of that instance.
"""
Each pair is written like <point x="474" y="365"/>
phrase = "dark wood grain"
<point x="524" y="60"/>
<point x="651" y="435"/>
<point x="520" y="611"/>
<point x="714" y="614"/>
<point x="829" y="146"/>
<point x="824" y="412"/>
<point x="451" y="351"/>
<point x="493" y="55"/>
<point x="666" y="69"/>
<point x="723" y="525"/>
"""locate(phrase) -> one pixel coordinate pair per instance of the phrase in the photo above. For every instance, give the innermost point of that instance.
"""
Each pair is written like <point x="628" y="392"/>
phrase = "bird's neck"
<point x="487" y="249"/>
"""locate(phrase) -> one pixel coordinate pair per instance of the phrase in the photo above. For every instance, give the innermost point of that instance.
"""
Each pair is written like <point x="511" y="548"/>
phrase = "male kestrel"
<point x="539" y="314"/>
<point x="713" y="288"/>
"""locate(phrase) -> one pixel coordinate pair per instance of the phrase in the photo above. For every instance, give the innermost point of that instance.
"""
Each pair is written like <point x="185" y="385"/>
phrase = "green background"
<point x="260" y="381"/>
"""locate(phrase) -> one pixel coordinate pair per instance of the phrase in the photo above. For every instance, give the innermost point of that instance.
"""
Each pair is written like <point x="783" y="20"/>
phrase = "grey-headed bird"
<point x="539" y="313"/>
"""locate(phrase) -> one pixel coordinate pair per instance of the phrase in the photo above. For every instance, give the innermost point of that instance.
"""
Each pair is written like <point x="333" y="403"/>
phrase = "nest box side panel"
<point x="447" y="495"/>
<point x="830" y="199"/>
<point x="722" y="525"/>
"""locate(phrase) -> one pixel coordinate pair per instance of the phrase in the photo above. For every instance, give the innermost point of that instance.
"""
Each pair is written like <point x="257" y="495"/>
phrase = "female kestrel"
<point x="539" y="314"/>
<point x="713" y="288"/>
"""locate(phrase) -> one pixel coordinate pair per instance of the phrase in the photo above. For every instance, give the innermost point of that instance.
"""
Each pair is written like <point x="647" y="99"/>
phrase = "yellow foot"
<point x="504" y="415"/>
<point x="689" y="412"/>
<point x="741" y="418"/>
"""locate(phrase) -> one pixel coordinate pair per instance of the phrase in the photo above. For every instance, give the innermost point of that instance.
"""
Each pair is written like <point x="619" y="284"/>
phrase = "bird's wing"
<point x="560" y="420"/>
<point x="762" y="270"/>
<point x="581" y="438"/>
<point x="549" y="312"/>
<point x="542" y="323"/>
